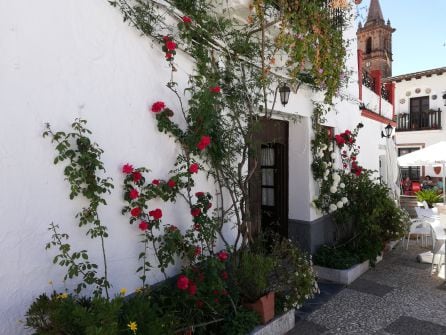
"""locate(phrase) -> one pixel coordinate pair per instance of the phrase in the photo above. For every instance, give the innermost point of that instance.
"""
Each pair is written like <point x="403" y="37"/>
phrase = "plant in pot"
<point x="253" y="275"/>
<point x="429" y="195"/>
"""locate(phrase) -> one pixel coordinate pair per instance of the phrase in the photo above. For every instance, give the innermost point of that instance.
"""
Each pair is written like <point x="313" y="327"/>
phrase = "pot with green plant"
<point x="253" y="275"/>
<point x="430" y="195"/>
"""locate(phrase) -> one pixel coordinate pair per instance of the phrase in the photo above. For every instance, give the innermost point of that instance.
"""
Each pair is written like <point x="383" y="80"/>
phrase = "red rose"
<point x="143" y="226"/>
<point x="166" y="38"/>
<point x="199" y="194"/>
<point x="215" y="89"/>
<point x="347" y="132"/>
<point x="197" y="226"/>
<point x="136" y="211"/>
<point x="339" y="140"/>
<point x="171" y="183"/>
<point x="223" y="256"/>
<point x="215" y="292"/>
<point x="127" y="168"/>
<point x="156" y="214"/>
<point x="187" y="19"/>
<point x="209" y="205"/>
<point x="171" y="45"/>
<point x="169" y="56"/>
<point x="194" y="168"/>
<point x="192" y="289"/>
<point x="195" y="212"/>
<point x="204" y="142"/>
<point x="183" y="282"/>
<point x="158" y="106"/>
<point x="353" y="158"/>
<point x="155" y="182"/>
<point x="224" y="275"/>
<point x="199" y="304"/>
<point x="137" y="176"/>
<point x="133" y="194"/>
<point x="197" y="251"/>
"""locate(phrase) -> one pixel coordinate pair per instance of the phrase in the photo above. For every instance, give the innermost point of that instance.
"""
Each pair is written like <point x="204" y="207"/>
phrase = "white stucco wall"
<point x="60" y="60"/>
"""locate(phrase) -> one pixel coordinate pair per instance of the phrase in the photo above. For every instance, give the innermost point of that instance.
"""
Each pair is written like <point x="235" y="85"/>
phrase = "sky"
<point x="419" y="42"/>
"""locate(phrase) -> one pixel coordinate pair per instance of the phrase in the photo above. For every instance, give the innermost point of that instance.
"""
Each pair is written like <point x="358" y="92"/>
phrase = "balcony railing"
<point x="385" y="93"/>
<point x="428" y="120"/>
<point x="368" y="81"/>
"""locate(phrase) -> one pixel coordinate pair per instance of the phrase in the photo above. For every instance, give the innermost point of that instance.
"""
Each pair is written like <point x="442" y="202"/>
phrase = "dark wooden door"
<point x="269" y="184"/>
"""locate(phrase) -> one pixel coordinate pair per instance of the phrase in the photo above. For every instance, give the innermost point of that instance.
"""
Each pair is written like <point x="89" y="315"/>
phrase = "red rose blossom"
<point x="166" y="38"/>
<point x="127" y="168"/>
<point x="133" y="194"/>
<point x="193" y="168"/>
<point x="158" y="106"/>
<point x="195" y="212"/>
<point x="171" y="45"/>
<point x="186" y="19"/>
<point x="215" y="89"/>
<point x="136" y="176"/>
<point x="171" y="183"/>
<point x="199" y="194"/>
<point x="223" y="256"/>
<point x="182" y="282"/>
<point x="156" y="214"/>
<point x="143" y="226"/>
<point x="136" y="211"/>
<point x="339" y="140"/>
<point x="155" y="182"/>
<point x="204" y="142"/>
<point x="197" y="251"/>
<point x="209" y="205"/>
<point x="192" y="289"/>
<point x="169" y="55"/>
<point x="197" y="226"/>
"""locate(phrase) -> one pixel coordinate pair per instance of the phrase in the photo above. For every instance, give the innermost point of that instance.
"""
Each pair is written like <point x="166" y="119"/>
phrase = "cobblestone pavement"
<point x="397" y="297"/>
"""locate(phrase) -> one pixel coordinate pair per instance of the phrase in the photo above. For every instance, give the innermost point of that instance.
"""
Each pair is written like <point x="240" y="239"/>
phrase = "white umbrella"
<point x="392" y="172"/>
<point x="433" y="155"/>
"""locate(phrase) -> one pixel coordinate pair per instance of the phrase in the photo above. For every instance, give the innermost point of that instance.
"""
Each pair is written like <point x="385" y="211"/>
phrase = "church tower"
<point x="375" y="41"/>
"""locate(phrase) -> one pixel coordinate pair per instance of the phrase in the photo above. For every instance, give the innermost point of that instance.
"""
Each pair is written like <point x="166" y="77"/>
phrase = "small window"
<point x="413" y="172"/>
<point x="368" y="45"/>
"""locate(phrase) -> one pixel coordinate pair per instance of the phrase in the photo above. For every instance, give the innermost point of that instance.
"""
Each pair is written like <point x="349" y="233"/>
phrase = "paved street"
<point x="397" y="297"/>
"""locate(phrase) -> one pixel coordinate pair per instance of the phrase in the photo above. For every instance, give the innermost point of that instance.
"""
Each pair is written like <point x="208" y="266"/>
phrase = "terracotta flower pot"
<point x="264" y="307"/>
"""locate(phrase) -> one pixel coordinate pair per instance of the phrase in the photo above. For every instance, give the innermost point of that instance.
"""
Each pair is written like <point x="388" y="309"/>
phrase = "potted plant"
<point x="253" y="280"/>
<point x="429" y="195"/>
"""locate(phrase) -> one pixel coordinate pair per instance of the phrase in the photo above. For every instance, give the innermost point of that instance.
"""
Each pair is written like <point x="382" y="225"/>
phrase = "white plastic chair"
<point x="420" y="227"/>
<point x="438" y="251"/>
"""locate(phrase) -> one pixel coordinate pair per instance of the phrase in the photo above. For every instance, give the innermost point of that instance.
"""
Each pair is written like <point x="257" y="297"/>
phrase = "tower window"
<point x="368" y="45"/>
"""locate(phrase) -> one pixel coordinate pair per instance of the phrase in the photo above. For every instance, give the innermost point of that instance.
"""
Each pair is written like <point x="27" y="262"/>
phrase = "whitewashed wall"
<point x="60" y="60"/>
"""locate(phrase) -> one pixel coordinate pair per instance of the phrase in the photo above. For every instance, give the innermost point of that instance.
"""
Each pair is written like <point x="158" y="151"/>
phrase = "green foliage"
<point x="294" y="279"/>
<point x="336" y="258"/>
<point x="429" y="195"/>
<point x="253" y="275"/>
<point x="83" y="172"/>
<point x="241" y="323"/>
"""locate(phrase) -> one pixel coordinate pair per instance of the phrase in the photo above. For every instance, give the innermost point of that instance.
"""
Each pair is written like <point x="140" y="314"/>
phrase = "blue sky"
<point x="420" y="36"/>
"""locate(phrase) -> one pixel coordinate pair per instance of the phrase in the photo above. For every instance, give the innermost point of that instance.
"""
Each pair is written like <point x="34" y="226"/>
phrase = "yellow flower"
<point x="123" y="291"/>
<point x="62" y="296"/>
<point x="133" y="326"/>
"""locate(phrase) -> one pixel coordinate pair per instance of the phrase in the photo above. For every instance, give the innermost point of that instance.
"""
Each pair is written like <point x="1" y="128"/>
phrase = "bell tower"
<point x="375" y="41"/>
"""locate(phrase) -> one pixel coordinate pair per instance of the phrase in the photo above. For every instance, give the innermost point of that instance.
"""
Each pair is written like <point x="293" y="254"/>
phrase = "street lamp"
<point x="387" y="131"/>
<point x="284" y="92"/>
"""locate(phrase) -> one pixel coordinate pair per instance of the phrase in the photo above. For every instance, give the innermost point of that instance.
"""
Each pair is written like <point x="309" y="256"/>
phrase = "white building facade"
<point x="80" y="60"/>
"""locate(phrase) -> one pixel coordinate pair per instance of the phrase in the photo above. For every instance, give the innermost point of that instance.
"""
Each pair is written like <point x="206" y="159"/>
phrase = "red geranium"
<point x="136" y="211"/>
<point x="156" y="214"/>
<point x="195" y="211"/>
<point x="171" y="45"/>
<point x="155" y="182"/>
<point x="187" y="19"/>
<point x="137" y="176"/>
<point x="171" y="183"/>
<point x="339" y="140"/>
<point x="133" y="194"/>
<point x="194" y="168"/>
<point x="183" y="282"/>
<point x="158" y="106"/>
<point x="204" y="142"/>
<point x="192" y="289"/>
<point x="143" y="226"/>
<point x="223" y="256"/>
<point x="127" y="168"/>
<point x="215" y="89"/>
<point x="199" y="194"/>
